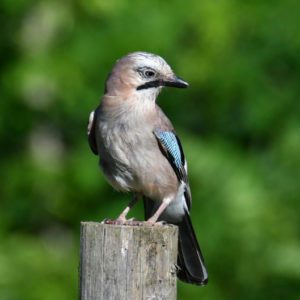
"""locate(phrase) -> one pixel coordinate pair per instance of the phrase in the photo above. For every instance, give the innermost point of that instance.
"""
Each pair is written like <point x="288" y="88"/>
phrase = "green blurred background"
<point x="239" y="124"/>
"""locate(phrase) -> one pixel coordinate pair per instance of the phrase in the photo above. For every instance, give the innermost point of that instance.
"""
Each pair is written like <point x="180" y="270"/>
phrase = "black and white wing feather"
<point x="191" y="266"/>
<point x="170" y="146"/>
<point x="91" y="131"/>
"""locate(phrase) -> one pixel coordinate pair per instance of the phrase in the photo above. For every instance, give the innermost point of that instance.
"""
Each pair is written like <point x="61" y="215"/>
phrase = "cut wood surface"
<point x="127" y="262"/>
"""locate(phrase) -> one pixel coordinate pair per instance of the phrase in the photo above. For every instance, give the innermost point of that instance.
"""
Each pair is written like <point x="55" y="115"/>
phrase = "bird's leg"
<point x="122" y="217"/>
<point x="121" y="220"/>
<point x="152" y="221"/>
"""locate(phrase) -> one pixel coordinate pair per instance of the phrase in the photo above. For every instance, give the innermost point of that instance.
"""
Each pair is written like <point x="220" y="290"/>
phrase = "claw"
<point x="113" y="222"/>
<point x="132" y="222"/>
<point x="106" y="221"/>
<point x="132" y="219"/>
<point x="160" y="223"/>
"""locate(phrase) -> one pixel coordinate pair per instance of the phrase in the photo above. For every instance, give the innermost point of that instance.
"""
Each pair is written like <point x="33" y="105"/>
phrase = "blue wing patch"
<point x="169" y="140"/>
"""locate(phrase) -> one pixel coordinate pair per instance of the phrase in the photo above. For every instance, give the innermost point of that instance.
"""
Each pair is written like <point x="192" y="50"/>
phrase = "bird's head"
<point x="141" y="72"/>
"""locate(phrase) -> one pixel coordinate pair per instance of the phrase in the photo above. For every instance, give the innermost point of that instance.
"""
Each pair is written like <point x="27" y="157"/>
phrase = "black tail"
<point x="190" y="260"/>
<point x="191" y="267"/>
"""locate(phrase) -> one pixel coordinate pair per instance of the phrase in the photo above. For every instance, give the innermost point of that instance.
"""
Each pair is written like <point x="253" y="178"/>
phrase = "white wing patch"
<point x="185" y="167"/>
<point x="91" y="122"/>
<point x="91" y="132"/>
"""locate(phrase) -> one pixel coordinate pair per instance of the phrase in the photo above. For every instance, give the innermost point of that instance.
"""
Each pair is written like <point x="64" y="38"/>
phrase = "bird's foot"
<point x="143" y="223"/>
<point x="132" y="222"/>
<point x="122" y="221"/>
<point x="117" y="221"/>
<point x="149" y="223"/>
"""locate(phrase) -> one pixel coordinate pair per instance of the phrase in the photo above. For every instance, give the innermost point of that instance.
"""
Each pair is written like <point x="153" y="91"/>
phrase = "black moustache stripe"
<point x="150" y="84"/>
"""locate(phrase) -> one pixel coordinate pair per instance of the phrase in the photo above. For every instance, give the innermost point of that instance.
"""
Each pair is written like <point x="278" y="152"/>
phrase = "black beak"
<point x="176" y="82"/>
<point x="172" y="82"/>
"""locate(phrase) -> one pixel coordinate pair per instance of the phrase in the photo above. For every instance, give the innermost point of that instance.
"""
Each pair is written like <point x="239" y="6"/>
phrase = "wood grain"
<point x="127" y="262"/>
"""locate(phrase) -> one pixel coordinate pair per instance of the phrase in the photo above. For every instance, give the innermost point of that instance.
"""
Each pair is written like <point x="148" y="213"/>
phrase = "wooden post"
<point x="127" y="262"/>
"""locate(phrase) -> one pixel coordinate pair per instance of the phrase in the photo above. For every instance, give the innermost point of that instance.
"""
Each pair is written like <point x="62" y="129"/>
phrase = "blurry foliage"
<point x="239" y="124"/>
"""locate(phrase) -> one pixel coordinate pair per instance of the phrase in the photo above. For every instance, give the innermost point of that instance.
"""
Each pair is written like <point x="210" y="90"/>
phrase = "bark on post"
<point x="127" y="262"/>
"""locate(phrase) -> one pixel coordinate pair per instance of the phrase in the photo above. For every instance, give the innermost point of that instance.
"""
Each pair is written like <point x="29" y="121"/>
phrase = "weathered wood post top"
<point x="127" y="262"/>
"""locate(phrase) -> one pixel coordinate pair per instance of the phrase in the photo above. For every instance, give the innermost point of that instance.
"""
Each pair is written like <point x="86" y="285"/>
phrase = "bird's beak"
<point x="175" y="82"/>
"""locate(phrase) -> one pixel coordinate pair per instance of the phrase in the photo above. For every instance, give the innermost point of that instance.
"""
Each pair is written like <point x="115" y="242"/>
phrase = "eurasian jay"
<point x="140" y="152"/>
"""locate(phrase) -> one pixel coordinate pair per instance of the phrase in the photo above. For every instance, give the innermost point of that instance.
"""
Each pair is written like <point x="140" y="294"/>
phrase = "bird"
<point x="140" y="152"/>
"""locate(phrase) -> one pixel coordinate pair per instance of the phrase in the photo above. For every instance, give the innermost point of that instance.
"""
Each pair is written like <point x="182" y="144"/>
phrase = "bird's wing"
<point x="91" y="131"/>
<point x="191" y="266"/>
<point x="171" y="148"/>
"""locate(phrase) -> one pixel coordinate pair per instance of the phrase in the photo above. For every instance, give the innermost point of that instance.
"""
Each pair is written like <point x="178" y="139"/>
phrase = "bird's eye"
<point x="149" y="73"/>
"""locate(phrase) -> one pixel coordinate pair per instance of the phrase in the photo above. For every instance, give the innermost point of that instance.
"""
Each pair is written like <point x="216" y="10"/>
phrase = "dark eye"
<point x="149" y="73"/>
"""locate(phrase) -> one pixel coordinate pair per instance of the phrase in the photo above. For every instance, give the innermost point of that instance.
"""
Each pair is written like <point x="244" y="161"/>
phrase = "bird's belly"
<point x="135" y="163"/>
<point x="117" y="172"/>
